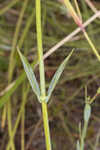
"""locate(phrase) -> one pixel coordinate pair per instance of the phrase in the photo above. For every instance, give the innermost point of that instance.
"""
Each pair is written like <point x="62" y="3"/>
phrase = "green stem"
<point x="11" y="69"/>
<point x="92" y="46"/>
<point x="18" y="116"/>
<point x="79" y="23"/>
<point x="15" y="39"/>
<point x="83" y="136"/>
<point x="42" y="74"/>
<point x="22" y="130"/>
<point x="26" y="29"/>
<point x="24" y="97"/>
<point x="40" y="49"/>
<point x="9" y="117"/>
<point x="46" y="125"/>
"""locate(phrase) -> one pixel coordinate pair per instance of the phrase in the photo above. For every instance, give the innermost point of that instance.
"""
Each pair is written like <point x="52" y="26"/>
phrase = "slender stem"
<point x="22" y="77"/>
<point x="15" y="39"/>
<point x="18" y="116"/>
<point x="42" y="74"/>
<point x="83" y="135"/>
<point x="92" y="46"/>
<point x="26" y="29"/>
<point x="11" y="69"/>
<point x="10" y="124"/>
<point x="78" y="9"/>
<point x="24" y="98"/>
<point x="78" y="21"/>
<point x="22" y="130"/>
<point x="46" y="125"/>
<point x="40" y="49"/>
<point x="70" y="36"/>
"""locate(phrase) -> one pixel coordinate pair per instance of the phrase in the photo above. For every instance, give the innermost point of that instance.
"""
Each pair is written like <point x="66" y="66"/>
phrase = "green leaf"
<point x="4" y="99"/>
<point x="30" y="75"/>
<point x="87" y="112"/>
<point x="57" y="76"/>
<point x="78" y="145"/>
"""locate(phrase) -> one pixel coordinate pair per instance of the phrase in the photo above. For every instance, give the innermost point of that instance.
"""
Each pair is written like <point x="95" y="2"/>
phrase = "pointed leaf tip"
<point x="30" y="75"/>
<point x="57" y="76"/>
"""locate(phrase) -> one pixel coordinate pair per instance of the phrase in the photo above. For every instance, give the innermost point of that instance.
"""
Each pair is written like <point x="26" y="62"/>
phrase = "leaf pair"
<point x="32" y="79"/>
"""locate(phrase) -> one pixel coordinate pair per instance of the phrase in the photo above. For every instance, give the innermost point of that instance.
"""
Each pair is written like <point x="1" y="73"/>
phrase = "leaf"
<point x="4" y="99"/>
<point x="78" y="145"/>
<point x="57" y="76"/>
<point x="30" y="75"/>
<point x="87" y="112"/>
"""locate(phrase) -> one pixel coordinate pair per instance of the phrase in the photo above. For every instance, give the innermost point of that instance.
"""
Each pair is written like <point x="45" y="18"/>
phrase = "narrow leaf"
<point x="30" y="75"/>
<point x="78" y="145"/>
<point x="10" y="91"/>
<point x="87" y="112"/>
<point x="57" y="76"/>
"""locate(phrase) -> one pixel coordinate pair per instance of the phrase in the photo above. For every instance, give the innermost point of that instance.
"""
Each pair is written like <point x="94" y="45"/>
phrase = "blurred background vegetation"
<point x="17" y="28"/>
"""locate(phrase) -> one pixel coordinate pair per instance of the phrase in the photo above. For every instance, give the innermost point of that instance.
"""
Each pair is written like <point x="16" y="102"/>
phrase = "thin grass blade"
<point x="30" y="75"/>
<point x="57" y="76"/>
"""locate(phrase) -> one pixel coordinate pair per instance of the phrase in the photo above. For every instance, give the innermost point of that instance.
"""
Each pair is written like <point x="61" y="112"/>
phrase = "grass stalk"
<point x="79" y="23"/>
<point x="22" y="130"/>
<point x="22" y="77"/>
<point x="42" y="75"/>
<point x="40" y="49"/>
<point x="29" y="21"/>
<point x="83" y="136"/>
<point x="15" y="39"/>
<point x="25" y="94"/>
<point x="77" y="8"/>
<point x="24" y="97"/>
<point x="26" y="29"/>
<point x="92" y="46"/>
<point x="9" y="117"/>
<point x="12" y="62"/>
<point x="46" y="126"/>
<point x="18" y="117"/>
<point x="11" y="68"/>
